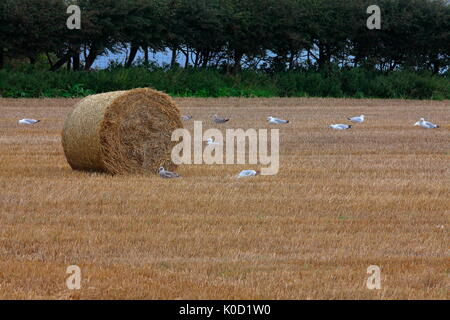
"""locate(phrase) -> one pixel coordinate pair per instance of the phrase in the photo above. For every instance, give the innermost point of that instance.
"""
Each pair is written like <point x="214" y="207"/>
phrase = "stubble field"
<point x="378" y="194"/>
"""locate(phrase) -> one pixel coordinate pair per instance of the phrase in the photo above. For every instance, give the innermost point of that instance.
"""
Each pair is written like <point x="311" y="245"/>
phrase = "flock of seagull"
<point x="339" y="126"/>
<point x="163" y="173"/>
<point x="271" y="120"/>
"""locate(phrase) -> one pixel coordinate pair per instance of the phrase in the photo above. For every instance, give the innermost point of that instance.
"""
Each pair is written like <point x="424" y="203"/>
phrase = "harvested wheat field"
<point x="378" y="194"/>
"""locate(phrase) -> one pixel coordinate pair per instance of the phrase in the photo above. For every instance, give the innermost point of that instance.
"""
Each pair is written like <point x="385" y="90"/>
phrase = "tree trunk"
<point x="186" y="63"/>
<point x="436" y="68"/>
<point x="76" y="61"/>
<point x="145" y="54"/>
<point x="356" y="61"/>
<point x="197" y="59"/>
<point x="237" y="62"/>
<point x="393" y="65"/>
<point x="69" y="64"/>
<point x="173" y="61"/>
<point x="436" y="65"/>
<point x="206" y="58"/>
<point x="322" y="57"/>
<point x="93" y="53"/>
<point x="133" y="52"/>
<point x="61" y="62"/>
<point x="291" y="61"/>
<point x="217" y="61"/>
<point x="50" y="62"/>
<point x="85" y="52"/>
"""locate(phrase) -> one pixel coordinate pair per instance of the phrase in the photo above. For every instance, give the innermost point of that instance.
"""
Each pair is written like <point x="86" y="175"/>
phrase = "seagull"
<point x="426" y="124"/>
<point x="359" y="119"/>
<point x="216" y="119"/>
<point x="273" y="120"/>
<point x="247" y="173"/>
<point x="167" y="174"/>
<point x="211" y="141"/>
<point x="340" y="126"/>
<point x="186" y="118"/>
<point x="28" y="121"/>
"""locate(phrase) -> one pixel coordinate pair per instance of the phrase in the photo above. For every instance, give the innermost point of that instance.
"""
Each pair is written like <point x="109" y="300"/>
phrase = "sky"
<point x="159" y="57"/>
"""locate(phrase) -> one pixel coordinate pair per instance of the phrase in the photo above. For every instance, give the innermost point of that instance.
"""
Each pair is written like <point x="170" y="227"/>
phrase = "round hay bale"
<point x="122" y="132"/>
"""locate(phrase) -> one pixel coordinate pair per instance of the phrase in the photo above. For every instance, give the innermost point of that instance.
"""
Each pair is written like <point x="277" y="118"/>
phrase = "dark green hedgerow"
<point x="357" y="83"/>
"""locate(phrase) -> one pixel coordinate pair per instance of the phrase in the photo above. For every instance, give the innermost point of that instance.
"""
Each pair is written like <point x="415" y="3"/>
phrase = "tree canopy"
<point x="235" y="34"/>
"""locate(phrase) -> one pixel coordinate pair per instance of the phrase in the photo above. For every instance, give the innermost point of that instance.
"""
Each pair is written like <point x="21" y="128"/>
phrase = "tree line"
<point x="276" y="35"/>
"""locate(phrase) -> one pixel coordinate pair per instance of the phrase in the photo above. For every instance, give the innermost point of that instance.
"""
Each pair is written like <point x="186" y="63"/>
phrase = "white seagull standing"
<point x="273" y="120"/>
<point x="247" y="173"/>
<point x="217" y="119"/>
<point x="28" y="121"/>
<point x="426" y="124"/>
<point x="211" y="141"/>
<point x="340" y="126"/>
<point x="167" y="174"/>
<point x="359" y="119"/>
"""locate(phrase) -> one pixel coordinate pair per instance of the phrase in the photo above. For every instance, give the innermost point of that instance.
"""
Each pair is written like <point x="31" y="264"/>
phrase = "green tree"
<point x="30" y="27"/>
